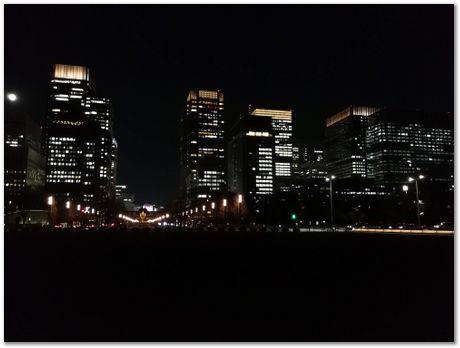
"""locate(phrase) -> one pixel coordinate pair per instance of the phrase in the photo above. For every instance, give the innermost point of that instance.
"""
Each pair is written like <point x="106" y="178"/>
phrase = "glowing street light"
<point x="224" y="203"/>
<point x="240" y="200"/>
<point x="204" y="207"/>
<point x="50" y="200"/>
<point x="405" y="188"/>
<point x="120" y="216"/>
<point x="67" y="204"/>
<point x="78" y="207"/>
<point x="213" y="205"/>
<point x="12" y="97"/>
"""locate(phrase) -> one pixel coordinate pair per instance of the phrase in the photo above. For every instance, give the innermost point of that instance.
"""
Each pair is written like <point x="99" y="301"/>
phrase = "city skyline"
<point x="387" y="65"/>
<point x="230" y="173"/>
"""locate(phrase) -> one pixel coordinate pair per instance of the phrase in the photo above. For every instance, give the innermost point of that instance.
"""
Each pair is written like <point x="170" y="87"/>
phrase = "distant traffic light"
<point x="293" y="216"/>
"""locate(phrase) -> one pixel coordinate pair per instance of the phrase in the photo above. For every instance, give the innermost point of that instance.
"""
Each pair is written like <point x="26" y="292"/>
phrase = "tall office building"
<point x="78" y="140"/>
<point x="24" y="164"/>
<point x="346" y="141"/>
<point x="404" y="143"/>
<point x="114" y="165"/>
<point x="203" y="161"/>
<point x="281" y="121"/>
<point x="251" y="158"/>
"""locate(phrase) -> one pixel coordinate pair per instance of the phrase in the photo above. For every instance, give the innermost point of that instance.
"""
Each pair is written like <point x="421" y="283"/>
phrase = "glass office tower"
<point x="203" y="161"/>
<point x="77" y="140"/>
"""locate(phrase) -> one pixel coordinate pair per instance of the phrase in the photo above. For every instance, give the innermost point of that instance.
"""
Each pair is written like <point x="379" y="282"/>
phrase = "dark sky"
<point x="313" y="59"/>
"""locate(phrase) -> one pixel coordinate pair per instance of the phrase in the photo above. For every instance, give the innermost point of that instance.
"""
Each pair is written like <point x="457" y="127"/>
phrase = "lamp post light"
<point x="240" y="200"/>
<point x="224" y="203"/>
<point x="50" y="202"/>
<point x="416" y="179"/>
<point x="12" y="97"/>
<point x="329" y="179"/>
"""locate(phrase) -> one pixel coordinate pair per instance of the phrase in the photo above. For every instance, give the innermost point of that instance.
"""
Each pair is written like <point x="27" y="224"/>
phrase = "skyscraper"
<point x="281" y="121"/>
<point x="78" y="140"/>
<point x="346" y="141"/>
<point x="203" y="162"/>
<point x="251" y="158"/>
<point x="114" y="166"/>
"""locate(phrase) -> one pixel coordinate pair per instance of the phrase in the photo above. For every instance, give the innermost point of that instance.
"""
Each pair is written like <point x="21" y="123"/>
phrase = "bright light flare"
<point x="12" y="97"/>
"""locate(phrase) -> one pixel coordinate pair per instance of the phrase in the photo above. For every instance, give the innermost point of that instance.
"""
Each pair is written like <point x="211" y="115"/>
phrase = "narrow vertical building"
<point x="114" y="166"/>
<point x="251" y="163"/>
<point x="203" y="161"/>
<point x="281" y="121"/>
<point x="77" y="141"/>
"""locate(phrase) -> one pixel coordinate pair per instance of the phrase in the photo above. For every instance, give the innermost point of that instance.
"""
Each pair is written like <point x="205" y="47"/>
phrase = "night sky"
<point x="313" y="59"/>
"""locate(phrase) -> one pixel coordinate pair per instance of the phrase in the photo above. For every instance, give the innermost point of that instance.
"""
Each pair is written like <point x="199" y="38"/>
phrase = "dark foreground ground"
<point x="227" y="286"/>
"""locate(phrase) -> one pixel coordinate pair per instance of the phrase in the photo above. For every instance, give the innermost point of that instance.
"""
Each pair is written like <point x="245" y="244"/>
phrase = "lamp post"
<point x="420" y="177"/>
<point x="329" y="179"/>
<point x="224" y="203"/>
<point x="240" y="200"/>
<point x="50" y="203"/>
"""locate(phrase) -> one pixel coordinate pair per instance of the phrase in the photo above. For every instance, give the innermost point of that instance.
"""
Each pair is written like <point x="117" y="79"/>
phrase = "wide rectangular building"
<point x="403" y="143"/>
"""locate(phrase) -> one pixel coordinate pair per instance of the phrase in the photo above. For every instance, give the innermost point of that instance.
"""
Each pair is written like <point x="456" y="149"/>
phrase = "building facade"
<point x="77" y="141"/>
<point x="24" y="164"/>
<point x="251" y="154"/>
<point x="203" y="162"/>
<point x="346" y="141"/>
<point x="114" y="166"/>
<point x="281" y="121"/>
<point x="403" y="143"/>
<point x="314" y="165"/>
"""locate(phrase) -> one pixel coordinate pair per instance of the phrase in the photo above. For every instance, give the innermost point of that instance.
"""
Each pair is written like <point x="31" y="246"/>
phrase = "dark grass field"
<point x="227" y="286"/>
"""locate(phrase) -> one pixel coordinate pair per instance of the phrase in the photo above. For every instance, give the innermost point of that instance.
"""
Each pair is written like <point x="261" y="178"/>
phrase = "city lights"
<point x="50" y="200"/>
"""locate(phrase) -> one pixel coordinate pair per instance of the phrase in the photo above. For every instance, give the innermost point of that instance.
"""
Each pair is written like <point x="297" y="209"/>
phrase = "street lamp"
<point x="329" y="179"/>
<point x="240" y="200"/>
<point x="224" y="203"/>
<point x="416" y="179"/>
<point x="12" y="97"/>
<point x="50" y="203"/>
<point x="213" y="205"/>
<point x="67" y="204"/>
